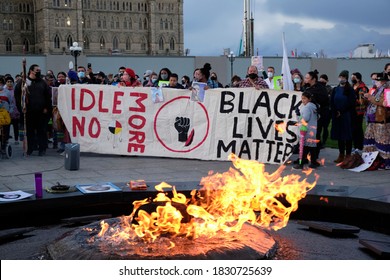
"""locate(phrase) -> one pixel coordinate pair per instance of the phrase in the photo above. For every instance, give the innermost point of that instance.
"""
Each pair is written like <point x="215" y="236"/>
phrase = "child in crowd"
<point x="308" y="129"/>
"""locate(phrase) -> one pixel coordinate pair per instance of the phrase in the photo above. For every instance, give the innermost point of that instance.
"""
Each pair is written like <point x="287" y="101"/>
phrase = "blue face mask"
<point x="297" y="80"/>
<point x="81" y="75"/>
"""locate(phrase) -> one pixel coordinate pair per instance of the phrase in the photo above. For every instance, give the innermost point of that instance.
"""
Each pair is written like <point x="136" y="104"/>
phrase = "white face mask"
<point x="270" y="74"/>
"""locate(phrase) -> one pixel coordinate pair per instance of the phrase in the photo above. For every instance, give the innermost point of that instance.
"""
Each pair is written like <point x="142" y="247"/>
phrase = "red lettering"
<point x="82" y="100"/>
<point x="138" y="136"/>
<point x="101" y="109"/>
<point x="133" y="121"/>
<point x="78" y="126"/>
<point x="117" y="102"/>
<point x="73" y="97"/>
<point x="96" y="123"/>
<point x="141" y="97"/>
<point x="132" y="147"/>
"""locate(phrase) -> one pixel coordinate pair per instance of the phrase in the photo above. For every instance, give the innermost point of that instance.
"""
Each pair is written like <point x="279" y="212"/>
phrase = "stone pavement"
<point x="368" y="190"/>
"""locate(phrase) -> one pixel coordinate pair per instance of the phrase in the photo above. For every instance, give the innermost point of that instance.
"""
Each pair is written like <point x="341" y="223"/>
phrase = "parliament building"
<point x="101" y="27"/>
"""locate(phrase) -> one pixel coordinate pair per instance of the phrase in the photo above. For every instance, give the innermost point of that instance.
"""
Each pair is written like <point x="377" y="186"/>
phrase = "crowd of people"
<point x="358" y="113"/>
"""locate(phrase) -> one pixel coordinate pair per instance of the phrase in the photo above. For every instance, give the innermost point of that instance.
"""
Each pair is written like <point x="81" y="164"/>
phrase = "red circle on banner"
<point x="162" y="142"/>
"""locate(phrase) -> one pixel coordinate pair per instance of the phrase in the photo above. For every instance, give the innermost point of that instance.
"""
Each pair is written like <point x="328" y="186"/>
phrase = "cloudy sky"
<point x="334" y="26"/>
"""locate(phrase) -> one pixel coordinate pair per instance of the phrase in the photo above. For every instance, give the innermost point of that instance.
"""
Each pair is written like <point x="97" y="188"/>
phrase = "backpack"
<point x="5" y="118"/>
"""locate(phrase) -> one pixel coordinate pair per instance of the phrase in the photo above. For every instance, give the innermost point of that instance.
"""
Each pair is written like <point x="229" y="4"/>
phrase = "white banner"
<point x="253" y="124"/>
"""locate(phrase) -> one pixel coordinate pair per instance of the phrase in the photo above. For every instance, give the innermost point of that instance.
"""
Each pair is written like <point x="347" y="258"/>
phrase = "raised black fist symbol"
<point x="182" y="126"/>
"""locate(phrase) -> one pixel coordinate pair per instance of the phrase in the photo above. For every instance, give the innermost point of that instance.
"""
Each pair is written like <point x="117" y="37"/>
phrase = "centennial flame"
<point x="246" y="194"/>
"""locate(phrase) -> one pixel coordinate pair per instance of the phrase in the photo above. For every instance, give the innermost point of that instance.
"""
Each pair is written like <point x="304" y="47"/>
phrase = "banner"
<point x="253" y="124"/>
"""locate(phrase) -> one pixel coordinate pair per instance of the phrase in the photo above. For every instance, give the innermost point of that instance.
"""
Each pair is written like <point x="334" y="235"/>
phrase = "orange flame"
<point x="224" y="203"/>
<point x="325" y="199"/>
<point x="281" y="127"/>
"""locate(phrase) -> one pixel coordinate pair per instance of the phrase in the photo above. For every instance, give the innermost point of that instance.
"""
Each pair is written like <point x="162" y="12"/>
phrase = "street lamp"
<point x="75" y="51"/>
<point x="231" y="57"/>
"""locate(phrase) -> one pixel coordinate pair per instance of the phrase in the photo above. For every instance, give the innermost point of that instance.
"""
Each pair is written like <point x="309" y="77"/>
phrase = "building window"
<point x="56" y="42"/>
<point x="117" y="23"/>
<point x="140" y="24"/>
<point x="104" y="22"/>
<point x="28" y="25"/>
<point x="130" y="24"/>
<point x="161" y="44"/>
<point x="143" y="44"/>
<point x="128" y="44"/>
<point x="145" y="24"/>
<point x="26" y="45"/>
<point x="86" y="43"/>
<point x="56" y="3"/>
<point x="166" y="24"/>
<point x="161" y="24"/>
<point x="171" y="24"/>
<point x="5" y="25"/>
<point x="8" y="45"/>
<point x="69" y="41"/>
<point x="22" y="24"/>
<point x="172" y="44"/>
<point x="57" y="23"/>
<point x="102" y="43"/>
<point x="115" y="43"/>
<point x="125" y="24"/>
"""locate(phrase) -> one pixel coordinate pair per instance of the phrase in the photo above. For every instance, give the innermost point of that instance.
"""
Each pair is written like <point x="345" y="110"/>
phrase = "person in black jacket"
<point x="321" y="98"/>
<point x="38" y="107"/>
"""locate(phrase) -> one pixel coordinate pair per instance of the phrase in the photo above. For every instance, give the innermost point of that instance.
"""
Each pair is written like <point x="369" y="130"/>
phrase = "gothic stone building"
<point x="141" y="27"/>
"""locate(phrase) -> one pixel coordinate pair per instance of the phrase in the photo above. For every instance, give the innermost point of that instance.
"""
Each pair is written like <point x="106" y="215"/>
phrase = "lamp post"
<point x="231" y="57"/>
<point x="75" y="51"/>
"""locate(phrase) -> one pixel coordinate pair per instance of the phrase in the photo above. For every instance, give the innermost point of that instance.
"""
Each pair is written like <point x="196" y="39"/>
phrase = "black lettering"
<point x="245" y="149"/>
<point x="258" y="142"/>
<point x="264" y="133"/>
<point x="240" y="104"/>
<point x="276" y="105"/>
<point x="221" y="145"/>
<point x="249" y="128"/>
<point x="293" y="135"/>
<point x="226" y="103"/>
<point x="279" y="151"/>
<point x="277" y="137"/>
<point x="288" y="150"/>
<point x="294" y="105"/>
<point x="235" y="124"/>
<point x="265" y="104"/>
<point x="270" y="145"/>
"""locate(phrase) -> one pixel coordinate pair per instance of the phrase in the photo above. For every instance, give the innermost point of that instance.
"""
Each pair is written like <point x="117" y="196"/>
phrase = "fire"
<point x="281" y="127"/>
<point x="244" y="194"/>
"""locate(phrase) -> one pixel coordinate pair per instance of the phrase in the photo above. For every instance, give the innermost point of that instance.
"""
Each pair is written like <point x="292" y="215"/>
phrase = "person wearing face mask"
<point x="213" y="81"/>
<point x="273" y="82"/>
<point x="360" y="89"/>
<point x="147" y="77"/>
<point x="297" y="79"/>
<point x="343" y="102"/>
<point x="163" y="77"/>
<point x="325" y="113"/>
<point x="83" y="75"/>
<point x="39" y="105"/>
<point x="253" y="79"/>
<point x="376" y="136"/>
<point x="185" y="81"/>
<point x="61" y="79"/>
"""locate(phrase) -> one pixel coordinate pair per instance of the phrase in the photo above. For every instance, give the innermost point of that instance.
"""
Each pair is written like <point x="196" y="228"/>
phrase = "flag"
<point x="287" y="81"/>
<point x="292" y="53"/>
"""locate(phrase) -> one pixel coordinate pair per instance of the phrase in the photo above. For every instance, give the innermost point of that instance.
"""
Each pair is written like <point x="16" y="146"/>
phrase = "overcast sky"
<point x="334" y="26"/>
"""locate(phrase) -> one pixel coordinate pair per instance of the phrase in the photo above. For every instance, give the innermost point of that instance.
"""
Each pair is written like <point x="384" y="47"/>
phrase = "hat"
<point x="130" y="72"/>
<point x="295" y="71"/>
<point x="147" y="73"/>
<point x="344" y="74"/>
<point x="72" y="75"/>
<point x="101" y="74"/>
<point x="381" y="77"/>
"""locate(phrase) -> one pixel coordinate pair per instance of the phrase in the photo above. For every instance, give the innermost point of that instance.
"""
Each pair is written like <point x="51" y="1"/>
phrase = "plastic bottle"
<point x="38" y="185"/>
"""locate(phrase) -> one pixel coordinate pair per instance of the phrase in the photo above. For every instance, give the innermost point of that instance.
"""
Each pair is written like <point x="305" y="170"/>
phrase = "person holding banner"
<point x="253" y="79"/>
